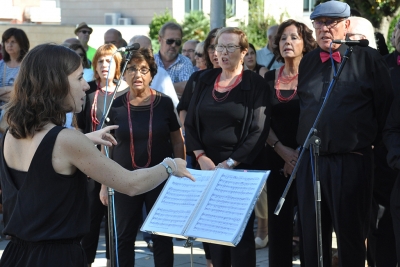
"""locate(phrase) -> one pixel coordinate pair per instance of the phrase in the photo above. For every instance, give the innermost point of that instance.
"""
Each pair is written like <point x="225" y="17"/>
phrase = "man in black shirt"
<point x="392" y="138"/>
<point x="352" y="118"/>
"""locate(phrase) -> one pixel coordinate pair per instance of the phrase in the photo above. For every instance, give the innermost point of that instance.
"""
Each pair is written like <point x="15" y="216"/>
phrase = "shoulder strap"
<point x="271" y="62"/>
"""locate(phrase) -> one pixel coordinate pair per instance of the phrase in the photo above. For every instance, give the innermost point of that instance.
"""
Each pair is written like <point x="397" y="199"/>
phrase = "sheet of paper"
<point x="176" y="203"/>
<point x="226" y="205"/>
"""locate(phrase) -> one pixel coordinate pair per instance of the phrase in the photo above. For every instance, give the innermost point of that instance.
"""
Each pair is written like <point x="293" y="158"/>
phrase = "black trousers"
<point x="395" y="210"/>
<point x="128" y="220"/>
<point x="244" y="254"/>
<point x="346" y="189"/>
<point x="97" y="212"/>
<point x="280" y="227"/>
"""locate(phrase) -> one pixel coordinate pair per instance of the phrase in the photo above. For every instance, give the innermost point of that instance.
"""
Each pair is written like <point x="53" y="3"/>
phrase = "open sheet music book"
<point x="214" y="209"/>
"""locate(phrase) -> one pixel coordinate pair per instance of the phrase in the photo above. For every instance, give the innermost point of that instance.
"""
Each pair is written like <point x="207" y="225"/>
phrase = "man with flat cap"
<point x="83" y="31"/>
<point x="351" y="123"/>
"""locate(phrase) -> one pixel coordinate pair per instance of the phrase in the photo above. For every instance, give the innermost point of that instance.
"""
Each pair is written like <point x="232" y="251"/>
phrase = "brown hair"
<point x="84" y="58"/>
<point x="145" y="54"/>
<point x="171" y="26"/>
<point x="22" y="40"/>
<point x="107" y="50"/>
<point x="243" y="42"/>
<point x="303" y="31"/>
<point x="207" y="44"/>
<point x="40" y="89"/>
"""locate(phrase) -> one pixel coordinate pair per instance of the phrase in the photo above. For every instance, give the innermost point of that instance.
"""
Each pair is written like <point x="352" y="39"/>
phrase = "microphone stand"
<point x="313" y="142"/>
<point x="110" y="207"/>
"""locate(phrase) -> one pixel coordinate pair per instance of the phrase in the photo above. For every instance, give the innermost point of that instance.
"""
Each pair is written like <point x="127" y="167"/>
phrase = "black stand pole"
<point x="313" y="142"/>
<point x="110" y="208"/>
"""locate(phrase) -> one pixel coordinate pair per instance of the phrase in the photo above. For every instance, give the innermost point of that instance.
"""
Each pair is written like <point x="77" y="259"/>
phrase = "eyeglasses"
<point x="187" y="50"/>
<point x="211" y="48"/>
<point x="330" y="23"/>
<point x="132" y="70"/>
<point x="198" y="54"/>
<point x="178" y="42"/>
<point x="85" y="32"/>
<point x="230" y="48"/>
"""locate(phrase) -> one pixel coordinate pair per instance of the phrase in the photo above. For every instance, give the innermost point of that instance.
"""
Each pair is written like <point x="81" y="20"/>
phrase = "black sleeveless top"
<point x="47" y="205"/>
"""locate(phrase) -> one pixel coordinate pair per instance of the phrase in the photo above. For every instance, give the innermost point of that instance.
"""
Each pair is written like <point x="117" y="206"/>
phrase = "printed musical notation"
<point x="177" y="202"/>
<point x="214" y="209"/>
<point x="225" y="207"/>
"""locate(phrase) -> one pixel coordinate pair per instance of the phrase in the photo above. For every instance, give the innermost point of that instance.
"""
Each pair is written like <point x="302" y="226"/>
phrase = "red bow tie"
<point x="335" y="55"/>
<point x="398" y="60"/>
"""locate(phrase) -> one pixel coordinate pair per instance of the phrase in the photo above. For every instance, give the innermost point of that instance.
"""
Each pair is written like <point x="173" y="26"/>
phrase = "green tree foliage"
<point x="195" y="26"/>
<point x="155" y="26"/>
<point x="256" y="29"/>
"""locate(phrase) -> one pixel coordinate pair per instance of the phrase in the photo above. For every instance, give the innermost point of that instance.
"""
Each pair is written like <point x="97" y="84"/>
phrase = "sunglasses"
<point x="198" y="54"/>
<point x="85" y="32"/>
<point x="171" y="41"/>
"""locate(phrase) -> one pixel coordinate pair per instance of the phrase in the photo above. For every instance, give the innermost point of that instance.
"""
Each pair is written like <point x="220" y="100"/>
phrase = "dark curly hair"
<point x="22" y="40"/>
<point x="304" y="32"/>
<point x="40" y="89"/>
<point x="145" y="54"/>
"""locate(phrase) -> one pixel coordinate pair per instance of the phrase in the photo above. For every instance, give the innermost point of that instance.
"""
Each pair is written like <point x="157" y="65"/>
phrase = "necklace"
<point x="228" y="88"/>
<point x="284" y="80"/>
<point x="93" y="111"/>
<point x="149" y="141"/>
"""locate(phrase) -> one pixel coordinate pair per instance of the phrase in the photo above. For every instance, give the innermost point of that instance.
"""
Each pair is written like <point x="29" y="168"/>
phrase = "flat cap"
<point x="334" y="9"/>
<point x="82" y="25"/>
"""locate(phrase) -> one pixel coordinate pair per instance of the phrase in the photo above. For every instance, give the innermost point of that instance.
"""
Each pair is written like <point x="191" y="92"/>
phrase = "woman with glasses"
<point x="250" y="61"/>
<point x="107" y="66"/>
<point x="148" y="131"/>
<point x="226" y="127"/>
<point x="199" y="56"/>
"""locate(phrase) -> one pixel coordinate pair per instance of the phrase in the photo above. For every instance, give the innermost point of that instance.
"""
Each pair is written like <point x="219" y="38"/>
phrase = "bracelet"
<point x="273" y="146"/>
<point x="201" y="154"/>
<point x="176" y="167"/>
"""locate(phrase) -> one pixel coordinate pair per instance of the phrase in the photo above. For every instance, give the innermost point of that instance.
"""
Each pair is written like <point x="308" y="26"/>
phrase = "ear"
<point x="159" y="39"/>
<point x="346" y="26"/>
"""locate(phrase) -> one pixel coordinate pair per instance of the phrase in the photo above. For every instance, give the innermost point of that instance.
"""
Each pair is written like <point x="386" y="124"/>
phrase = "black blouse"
<point x="244" y="114"/>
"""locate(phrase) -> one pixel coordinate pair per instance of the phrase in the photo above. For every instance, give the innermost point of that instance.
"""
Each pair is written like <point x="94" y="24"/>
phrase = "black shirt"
<point x="165" y="121"/>
<point x="284" y="121"/>
<point x="250" y="128"/>
<point x="84" y="118"/>
<point x="391" y="60"/>
<point x="357" y="108"/>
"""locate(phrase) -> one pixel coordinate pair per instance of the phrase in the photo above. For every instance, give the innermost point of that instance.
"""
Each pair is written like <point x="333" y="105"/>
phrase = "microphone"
<point x="135" y="46"/>
<point x="363" y="42"/>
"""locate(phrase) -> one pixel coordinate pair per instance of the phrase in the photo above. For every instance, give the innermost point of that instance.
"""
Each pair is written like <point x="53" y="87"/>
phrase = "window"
<point x="308" y="5"/>
<point x="193" y="5"/>
<point x="231" y="6"/>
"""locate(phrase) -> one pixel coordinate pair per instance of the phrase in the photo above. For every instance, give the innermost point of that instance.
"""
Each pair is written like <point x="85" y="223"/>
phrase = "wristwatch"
<point x="167" y="168"/>
<point x="230" y="162"/>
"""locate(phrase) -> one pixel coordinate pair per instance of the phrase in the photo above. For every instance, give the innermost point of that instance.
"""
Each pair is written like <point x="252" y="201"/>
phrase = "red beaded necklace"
<point x="228" y="88"/>
<point x="93" y="111"/>
<point x="284" y="80"/>
<point x="150" y="140"/>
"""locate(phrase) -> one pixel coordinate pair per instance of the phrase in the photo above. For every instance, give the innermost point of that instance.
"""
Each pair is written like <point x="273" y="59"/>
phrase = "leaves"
<point x="195" y="26"/>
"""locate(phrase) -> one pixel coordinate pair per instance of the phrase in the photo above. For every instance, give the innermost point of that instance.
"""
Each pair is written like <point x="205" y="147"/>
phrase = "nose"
<point x="86" y="86"/>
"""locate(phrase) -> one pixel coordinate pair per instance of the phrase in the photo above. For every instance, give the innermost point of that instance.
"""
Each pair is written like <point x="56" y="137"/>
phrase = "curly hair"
<point x="145" y="54"/>
<point x="107" y="50"/>
<point x="41" y="89"/>
<point x="304" y="32"/>
<point x="22" y="40"/>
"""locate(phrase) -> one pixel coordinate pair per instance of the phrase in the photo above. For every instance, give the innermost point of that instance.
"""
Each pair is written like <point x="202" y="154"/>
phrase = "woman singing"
<point x="292" y="41"/>
<point x="148" y="132"/>
<point x="227" y="125"/>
